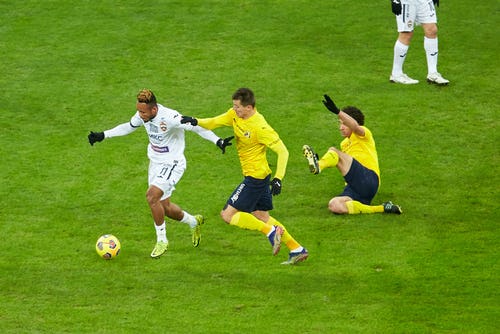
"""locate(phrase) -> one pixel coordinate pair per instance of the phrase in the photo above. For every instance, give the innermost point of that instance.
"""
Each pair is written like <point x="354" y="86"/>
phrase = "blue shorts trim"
<point x="252" y="194"/>
<point x="362" y="183"/>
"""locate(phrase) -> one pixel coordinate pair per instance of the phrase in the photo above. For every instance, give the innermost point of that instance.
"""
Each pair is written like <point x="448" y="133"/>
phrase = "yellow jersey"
<point x="253" y="136"/>
<point x="362" y="149"/>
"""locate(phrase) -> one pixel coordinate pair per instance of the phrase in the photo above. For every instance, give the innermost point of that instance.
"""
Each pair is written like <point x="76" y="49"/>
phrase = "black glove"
<point x="275" y="186"/>
<point x="222" y="143"/>
<point x="330" y="105"/>
<point x="436" y="2"/>
<point x="396" y="6"/>
<point x="95" y="136"/>
<point x="191" y="120"/>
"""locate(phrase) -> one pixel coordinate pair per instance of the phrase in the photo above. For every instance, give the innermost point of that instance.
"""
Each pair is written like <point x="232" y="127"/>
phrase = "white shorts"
<point x="165" y="176"/>
<point x="414" y="13"/>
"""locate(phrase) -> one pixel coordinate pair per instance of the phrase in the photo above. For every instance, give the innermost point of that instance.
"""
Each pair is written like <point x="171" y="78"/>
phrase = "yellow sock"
<point x="249" y="222"/>
<point x="355" y="207"/>
<point x="287" y="238"/>
<point x="330" y="159"/>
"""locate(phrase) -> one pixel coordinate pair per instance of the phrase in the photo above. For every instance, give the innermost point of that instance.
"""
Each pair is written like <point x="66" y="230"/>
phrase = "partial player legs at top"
<point x="408" y="15"/>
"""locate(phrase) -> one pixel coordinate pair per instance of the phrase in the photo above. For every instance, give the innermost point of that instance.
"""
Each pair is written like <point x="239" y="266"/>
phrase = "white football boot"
<point x="437" y="78"/>
<point x="402" y="79"/>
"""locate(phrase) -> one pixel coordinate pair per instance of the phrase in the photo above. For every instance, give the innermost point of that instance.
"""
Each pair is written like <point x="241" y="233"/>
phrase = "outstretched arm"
<point x="209" y="135"/>
<point x="345" y="118"/>
<point x="209" y="123"/>
<point x="212" y="123"/>
<point x="205" y="134"/>
<point x="120" y="130"/>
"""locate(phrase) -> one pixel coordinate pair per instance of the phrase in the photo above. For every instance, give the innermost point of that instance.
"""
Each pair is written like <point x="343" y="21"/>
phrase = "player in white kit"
<point x="410" y="13"/>
<point x="167" y="161"/>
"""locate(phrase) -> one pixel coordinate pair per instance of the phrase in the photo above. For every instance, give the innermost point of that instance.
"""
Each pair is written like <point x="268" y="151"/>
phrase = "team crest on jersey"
<point x="163" y="126"/>
<point x="246" y="134"/>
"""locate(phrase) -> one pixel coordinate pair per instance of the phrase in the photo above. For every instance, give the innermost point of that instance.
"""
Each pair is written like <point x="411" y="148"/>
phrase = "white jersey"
<point x="165" y="132"/>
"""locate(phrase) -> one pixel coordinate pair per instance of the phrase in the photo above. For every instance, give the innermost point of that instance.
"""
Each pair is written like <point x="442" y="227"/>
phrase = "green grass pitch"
<point x="68" y="67"/>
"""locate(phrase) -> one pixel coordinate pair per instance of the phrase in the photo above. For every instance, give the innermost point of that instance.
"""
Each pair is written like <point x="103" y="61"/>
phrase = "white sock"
<point x="161" y="232"/>
<point x="400" y="51"/>
<point x="189" y="219"/>
<point x="431" y="52"/>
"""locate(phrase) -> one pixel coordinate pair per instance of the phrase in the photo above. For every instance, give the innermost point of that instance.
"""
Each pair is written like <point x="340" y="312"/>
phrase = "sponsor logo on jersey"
<point x="159" y="149"/>
<point x="163" y="126"/>
<point x="156" y="137"/>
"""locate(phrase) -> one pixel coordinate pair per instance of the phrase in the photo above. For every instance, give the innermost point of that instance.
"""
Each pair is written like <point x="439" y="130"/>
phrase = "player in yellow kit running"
<point x="357" y="161"/>
<point x="249" y="205"/>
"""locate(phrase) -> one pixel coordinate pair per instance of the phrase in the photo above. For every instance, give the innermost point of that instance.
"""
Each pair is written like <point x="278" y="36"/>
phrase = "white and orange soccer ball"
<point x="108" y="246"/>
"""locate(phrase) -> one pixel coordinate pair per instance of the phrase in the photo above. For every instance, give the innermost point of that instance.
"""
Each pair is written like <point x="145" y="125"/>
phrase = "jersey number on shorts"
<point x="165" y="170"/>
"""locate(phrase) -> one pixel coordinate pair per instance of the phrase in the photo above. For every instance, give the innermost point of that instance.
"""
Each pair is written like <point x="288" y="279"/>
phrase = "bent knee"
<point x="226" y="216"/>
<point x="336" y="206"/>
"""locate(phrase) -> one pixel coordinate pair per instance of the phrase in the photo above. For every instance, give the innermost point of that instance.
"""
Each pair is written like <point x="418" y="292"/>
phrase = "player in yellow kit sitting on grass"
<point x="357" y="161"/>
<point x="249" y="205"/>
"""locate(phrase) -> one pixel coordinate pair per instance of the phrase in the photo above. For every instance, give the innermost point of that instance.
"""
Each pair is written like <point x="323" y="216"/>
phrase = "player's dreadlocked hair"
<point x="355" y="113"/>
<point x="245" y="96"/>
<point x="146" y="96"/>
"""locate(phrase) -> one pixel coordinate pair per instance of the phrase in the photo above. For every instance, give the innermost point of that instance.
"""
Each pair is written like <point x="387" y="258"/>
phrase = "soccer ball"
<point x="108" y="246"/>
